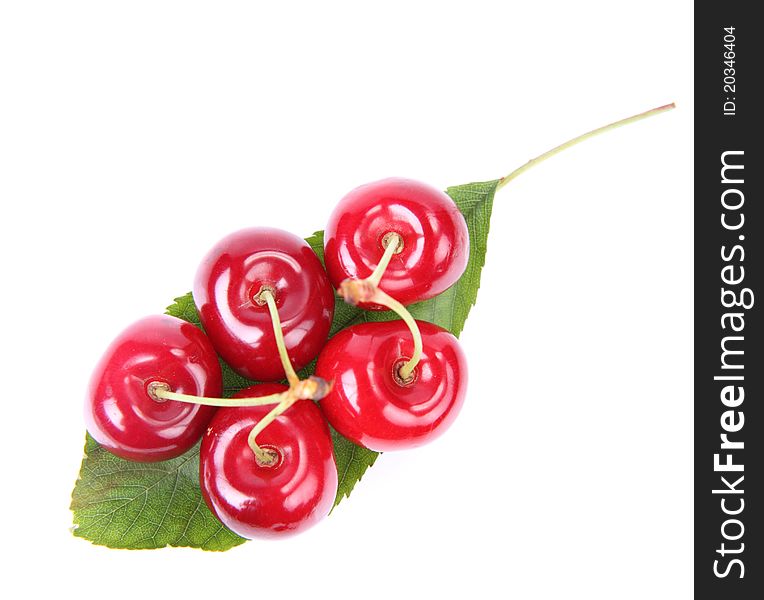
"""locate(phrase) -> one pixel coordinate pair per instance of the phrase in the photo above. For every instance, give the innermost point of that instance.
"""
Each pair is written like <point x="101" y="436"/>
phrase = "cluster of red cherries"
<point x="266" y="304"/>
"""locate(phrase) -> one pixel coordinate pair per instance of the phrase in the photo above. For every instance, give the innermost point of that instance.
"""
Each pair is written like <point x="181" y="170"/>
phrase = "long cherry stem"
<point x="263" y="456"/>
<point x="581" y="138"/>
<point x="356" y="291"/>
<point x="381" y="297"/>
<point x="313" y="388"/>
<point x="278" y="333"/>
<point x="164" y="393"/>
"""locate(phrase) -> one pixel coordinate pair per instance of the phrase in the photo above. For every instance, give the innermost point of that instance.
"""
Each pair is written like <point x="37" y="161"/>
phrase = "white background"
<point x="134" y="135"/>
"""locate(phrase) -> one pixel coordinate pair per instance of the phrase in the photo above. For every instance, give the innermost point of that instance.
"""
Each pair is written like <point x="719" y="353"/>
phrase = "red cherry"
<point x="255" y="500"/>
<point x="370" y="405"/>
<point x="120" y="414"/>
<point x="433" y="231"/>
<point x="239" y="326"/>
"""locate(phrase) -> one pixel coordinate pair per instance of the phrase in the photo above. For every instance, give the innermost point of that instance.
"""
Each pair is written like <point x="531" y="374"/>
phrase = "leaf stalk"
<point x="581" y="138"/>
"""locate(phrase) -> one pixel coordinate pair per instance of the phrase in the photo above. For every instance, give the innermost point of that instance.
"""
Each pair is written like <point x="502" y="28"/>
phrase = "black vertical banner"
<point x="729" y="363"/>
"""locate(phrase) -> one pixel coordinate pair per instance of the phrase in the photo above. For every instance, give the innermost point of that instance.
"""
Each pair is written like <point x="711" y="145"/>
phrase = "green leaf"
<point x="122" y="504"/>
<point x="451" y="308"/>
<point x="352" y="461"/>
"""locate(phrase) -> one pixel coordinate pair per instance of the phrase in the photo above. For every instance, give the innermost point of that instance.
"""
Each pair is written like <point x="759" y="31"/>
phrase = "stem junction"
<point x="357" y="291"/>
<point x="312" y="388"/>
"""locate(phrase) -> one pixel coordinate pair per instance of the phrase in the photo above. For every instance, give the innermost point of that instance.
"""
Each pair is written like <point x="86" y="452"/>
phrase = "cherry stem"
<point x="381" y="297"/>
<point x="291" y="376"/>
<point x="263" y="457"/>
<point x="577" y="140"/>
<point x="164" y="393"/>
<point x="356" y="291"/>
<point x="393" y="242"/>
<point x="312" y="388"/>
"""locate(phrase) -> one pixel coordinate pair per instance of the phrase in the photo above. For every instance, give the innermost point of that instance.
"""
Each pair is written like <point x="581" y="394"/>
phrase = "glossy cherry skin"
<point x="436" y="242"/>
<point x="120" y="414"/>
<point x="257" y="501"/>
<point x="371" y="406"/>
<point x="230" y="277"/>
